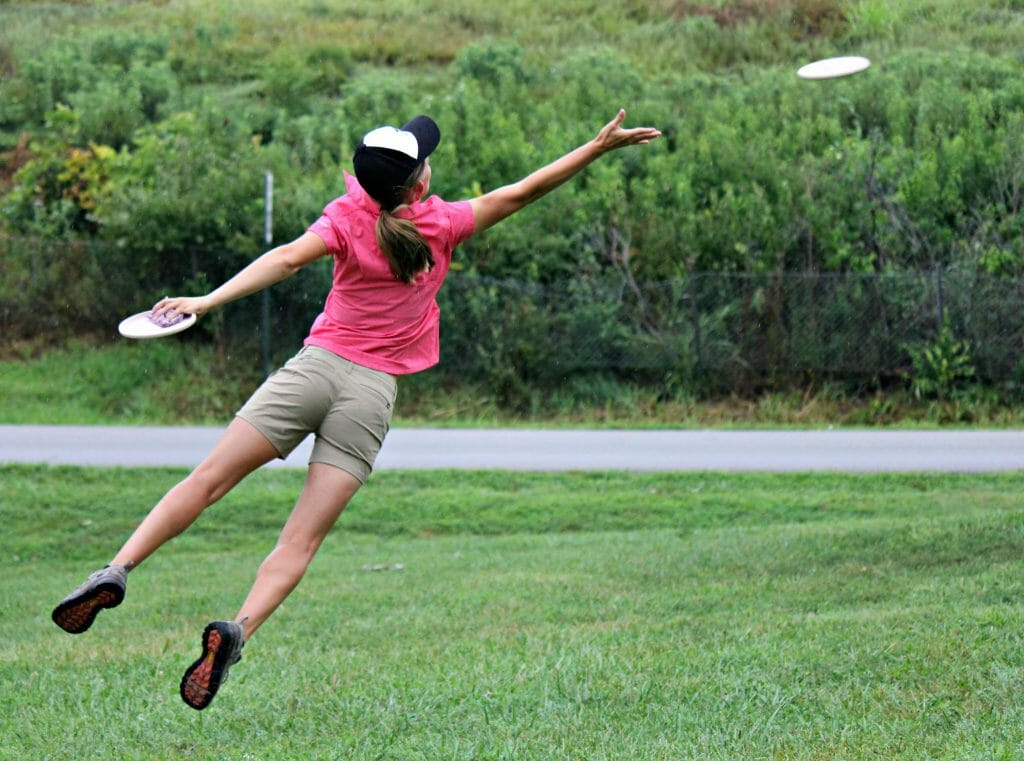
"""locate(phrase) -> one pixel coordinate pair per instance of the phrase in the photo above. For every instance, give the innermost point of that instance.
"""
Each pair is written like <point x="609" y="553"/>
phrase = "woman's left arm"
<point x="491" y="208"/>
<point x="273" y="267"/>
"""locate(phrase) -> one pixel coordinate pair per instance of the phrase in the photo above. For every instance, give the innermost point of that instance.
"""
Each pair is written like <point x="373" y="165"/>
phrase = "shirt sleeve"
<point x="461" y="215"/>
<point x="324" y="228"/>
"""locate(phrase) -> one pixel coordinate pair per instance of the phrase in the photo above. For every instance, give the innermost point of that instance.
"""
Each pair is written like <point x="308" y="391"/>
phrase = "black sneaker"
<point x="222" y="649"/>
<point x="103" y="589"/>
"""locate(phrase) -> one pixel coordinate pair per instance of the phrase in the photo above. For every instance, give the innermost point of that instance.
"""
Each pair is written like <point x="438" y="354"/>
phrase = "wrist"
<point x="597" y="148"/>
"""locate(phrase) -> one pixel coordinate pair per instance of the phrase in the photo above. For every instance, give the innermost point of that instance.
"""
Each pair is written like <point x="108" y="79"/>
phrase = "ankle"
<point x="244" y="623"/>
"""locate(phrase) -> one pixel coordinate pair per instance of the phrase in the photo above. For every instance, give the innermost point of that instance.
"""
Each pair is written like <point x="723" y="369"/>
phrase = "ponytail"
<point x="400" y="240"/>
<point x="403" y="246"/>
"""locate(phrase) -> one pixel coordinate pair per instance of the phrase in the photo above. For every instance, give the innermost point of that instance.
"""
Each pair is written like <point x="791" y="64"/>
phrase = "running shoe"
<point x="103" y="589"/>
<point x="222" y="649"/>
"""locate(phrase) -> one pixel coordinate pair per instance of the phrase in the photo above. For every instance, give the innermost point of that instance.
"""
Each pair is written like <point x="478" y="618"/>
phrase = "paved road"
<point x="539" y="450"/>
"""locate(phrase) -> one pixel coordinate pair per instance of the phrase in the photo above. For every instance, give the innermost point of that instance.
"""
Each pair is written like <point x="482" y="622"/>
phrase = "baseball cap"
<point x="386" y="156"/>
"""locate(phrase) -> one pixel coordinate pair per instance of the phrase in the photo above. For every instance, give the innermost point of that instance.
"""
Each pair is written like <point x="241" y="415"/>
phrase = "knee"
<point x="209" y="482"/>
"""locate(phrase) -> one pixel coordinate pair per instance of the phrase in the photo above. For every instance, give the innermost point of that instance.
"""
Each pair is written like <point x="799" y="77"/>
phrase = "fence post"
<point x="268" y="238"/>
<point x="698" y="348"/>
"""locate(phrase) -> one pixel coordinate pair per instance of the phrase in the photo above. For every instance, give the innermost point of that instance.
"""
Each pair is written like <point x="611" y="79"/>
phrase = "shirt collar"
<point x="359" y="196"/>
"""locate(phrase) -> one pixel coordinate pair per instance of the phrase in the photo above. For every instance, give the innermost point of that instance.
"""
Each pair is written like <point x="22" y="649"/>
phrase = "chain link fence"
<point x="730" y="329"/>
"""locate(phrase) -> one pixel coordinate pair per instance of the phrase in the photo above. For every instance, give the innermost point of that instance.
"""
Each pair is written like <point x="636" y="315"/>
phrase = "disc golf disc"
<point x="142" y="325"/>
<point x="830" y="68"/>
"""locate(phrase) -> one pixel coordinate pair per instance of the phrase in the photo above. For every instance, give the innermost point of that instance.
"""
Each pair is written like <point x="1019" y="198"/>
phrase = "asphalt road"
<point x="552" y="450"/>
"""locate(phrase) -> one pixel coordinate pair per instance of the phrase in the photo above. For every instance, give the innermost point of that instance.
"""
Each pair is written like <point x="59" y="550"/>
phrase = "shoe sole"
<point x="75" y="615"/>
<point x="203" y="678"/>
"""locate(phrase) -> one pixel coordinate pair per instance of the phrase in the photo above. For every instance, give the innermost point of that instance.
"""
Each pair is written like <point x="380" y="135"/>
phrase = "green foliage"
<point x="200" y="383"/>
<point x="875" y="19"/>
<point x="125" y="50"/>
<point x="97" y="63"/>
<point x="110" y="112"/>
<point x="55" y="195"/>
<point x="333" y="66"/>
<point x="943" y="368"/>
<point x="492" y="64"/>
<point x="154" y="125"/>
<point x="756" y="172"/>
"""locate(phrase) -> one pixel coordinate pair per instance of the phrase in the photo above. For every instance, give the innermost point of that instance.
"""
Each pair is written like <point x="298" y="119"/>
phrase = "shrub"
<point x="109" y="112"/>
<point x="941" y="369"/>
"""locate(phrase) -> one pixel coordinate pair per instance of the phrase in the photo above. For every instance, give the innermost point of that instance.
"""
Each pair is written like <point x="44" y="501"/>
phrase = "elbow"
<point x="525" y="194"/>
<point x="288" y="263"/>
<point x="518" y="196"/>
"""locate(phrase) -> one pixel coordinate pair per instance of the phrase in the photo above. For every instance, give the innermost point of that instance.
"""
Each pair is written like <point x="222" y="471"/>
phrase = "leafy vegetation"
<point x="943" y="368"/>
<point x="149" y="127"/>
<point x="189" y="382"/>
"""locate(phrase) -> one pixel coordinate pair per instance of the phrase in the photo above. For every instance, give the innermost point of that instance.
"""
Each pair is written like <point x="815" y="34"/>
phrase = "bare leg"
<point x="239" y="451"/>
<point x="326" y="492"/>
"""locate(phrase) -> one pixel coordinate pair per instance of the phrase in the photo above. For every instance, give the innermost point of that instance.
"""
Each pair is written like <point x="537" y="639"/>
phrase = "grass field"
<point x="189" y="383"/>
<point x="600" y="616"/>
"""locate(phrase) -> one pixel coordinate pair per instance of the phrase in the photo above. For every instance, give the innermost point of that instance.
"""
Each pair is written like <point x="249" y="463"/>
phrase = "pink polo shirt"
<point x="370" y="317"/>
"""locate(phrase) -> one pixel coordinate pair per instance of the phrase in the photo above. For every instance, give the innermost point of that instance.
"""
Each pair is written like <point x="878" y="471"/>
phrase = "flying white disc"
<point x="141" y="326"/>
<point x="830" y="68"/>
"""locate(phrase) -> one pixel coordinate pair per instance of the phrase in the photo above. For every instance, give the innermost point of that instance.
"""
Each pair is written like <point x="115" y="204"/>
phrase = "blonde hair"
<point x="407" y="252"/>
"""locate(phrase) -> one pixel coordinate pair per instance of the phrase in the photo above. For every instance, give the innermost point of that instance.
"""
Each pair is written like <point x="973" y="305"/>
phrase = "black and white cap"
<point x="386" y="156"/>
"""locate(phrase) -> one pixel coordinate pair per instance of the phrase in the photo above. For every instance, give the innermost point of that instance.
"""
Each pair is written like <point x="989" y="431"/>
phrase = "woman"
<point x="392" y="246"/>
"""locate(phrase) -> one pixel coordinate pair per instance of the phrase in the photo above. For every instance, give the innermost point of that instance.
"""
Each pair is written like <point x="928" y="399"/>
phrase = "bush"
<point x="943" y="368"/>
<point x="158" y="143"/>
<point x="109" y="112"/>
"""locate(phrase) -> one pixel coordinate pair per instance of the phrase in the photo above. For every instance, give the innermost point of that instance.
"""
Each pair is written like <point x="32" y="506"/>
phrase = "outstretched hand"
<point x="613" y="136"/>
<point x="173" y="306"/>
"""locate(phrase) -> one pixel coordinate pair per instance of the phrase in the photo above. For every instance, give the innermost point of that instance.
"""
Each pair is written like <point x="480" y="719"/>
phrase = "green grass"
<point x="599" y="616"/>
<point x="145" y="382"/>
<point x="190" y="383"/>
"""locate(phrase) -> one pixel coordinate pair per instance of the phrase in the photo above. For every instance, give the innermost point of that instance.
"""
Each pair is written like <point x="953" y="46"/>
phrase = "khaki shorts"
<point x="346" y="405"/>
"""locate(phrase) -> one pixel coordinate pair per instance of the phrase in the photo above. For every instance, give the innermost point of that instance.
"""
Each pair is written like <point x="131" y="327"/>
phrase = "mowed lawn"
<point x="533" y="616"/>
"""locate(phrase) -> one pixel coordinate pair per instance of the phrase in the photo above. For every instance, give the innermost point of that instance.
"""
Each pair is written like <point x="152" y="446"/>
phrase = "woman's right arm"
<point x="491" y="208"/>
<point x="272" y="267"/>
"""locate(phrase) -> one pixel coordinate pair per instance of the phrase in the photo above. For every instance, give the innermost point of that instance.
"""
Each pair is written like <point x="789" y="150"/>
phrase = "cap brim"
<point x="428" y="134"/>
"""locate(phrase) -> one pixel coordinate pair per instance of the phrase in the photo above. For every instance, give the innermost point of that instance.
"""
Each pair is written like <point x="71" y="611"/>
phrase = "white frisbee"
<point x="830" y="68"/>
<point x="142" y="326"/>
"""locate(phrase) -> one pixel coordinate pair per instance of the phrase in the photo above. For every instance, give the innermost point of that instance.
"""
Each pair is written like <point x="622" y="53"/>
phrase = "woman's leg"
<point x="327" y="491"/>
<point x="239" y="451"/>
